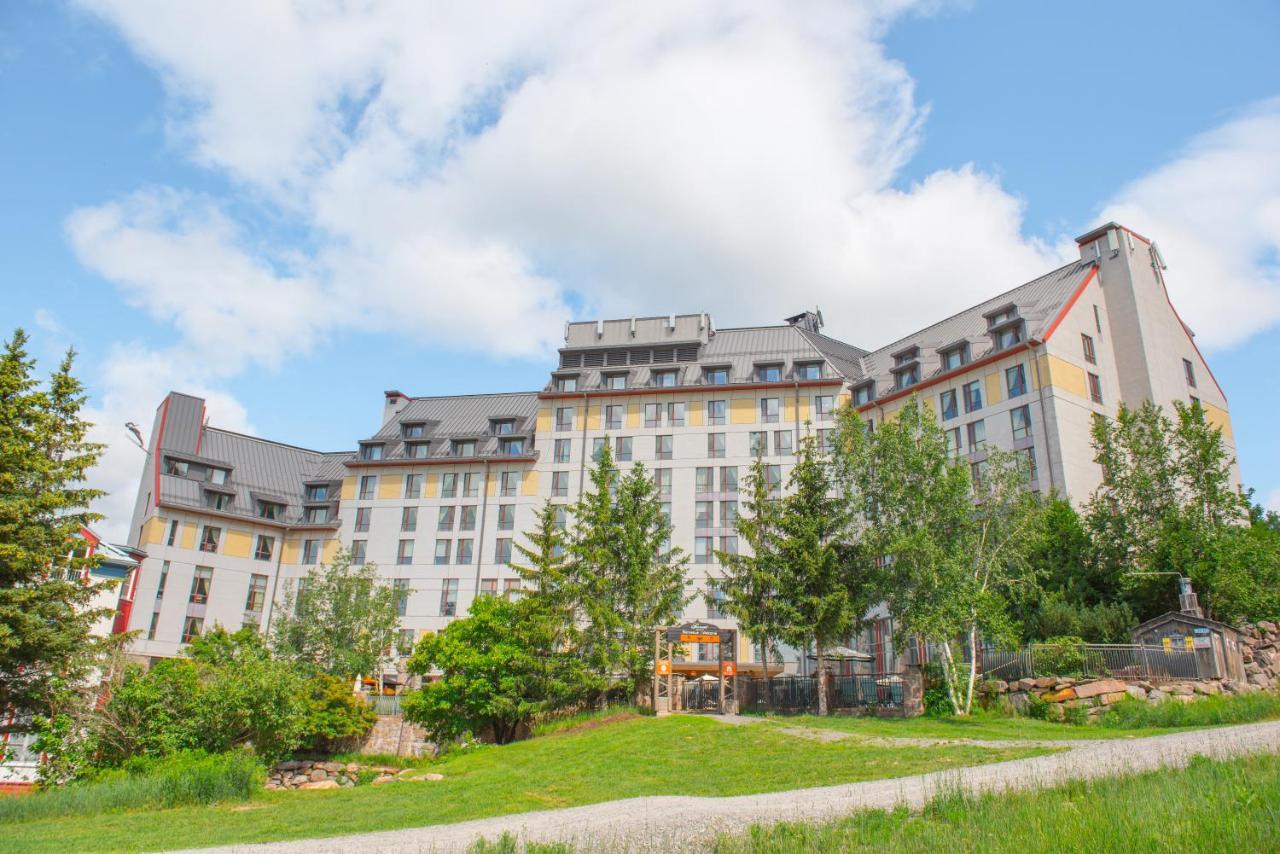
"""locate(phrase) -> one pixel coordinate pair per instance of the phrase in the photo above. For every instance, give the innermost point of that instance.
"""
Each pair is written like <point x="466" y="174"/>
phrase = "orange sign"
<point x="699" y="638"/>
<point x="729" y="669"/>
<point x="664" y="668"/>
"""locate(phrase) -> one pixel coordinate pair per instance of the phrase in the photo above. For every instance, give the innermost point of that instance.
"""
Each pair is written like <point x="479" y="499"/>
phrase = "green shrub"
<point x="1060" y="656"/>
<point x="1037" y="708"/>
<point x="1130" y="713"/>
<point x="1075" y="715"/>
<point x="335" y="715"/>
<point x="182" y="779"/>
<point x="1104" y="622"/>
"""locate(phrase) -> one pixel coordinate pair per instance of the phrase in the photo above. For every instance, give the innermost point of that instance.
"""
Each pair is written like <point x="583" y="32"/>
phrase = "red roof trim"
<point x="155" y="452"/>
<point x="955" y="372"/>
<point x="1070" y="303"/>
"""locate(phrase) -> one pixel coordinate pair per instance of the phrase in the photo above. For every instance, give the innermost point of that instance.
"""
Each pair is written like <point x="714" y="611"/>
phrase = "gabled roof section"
<point x="462" y="417"/>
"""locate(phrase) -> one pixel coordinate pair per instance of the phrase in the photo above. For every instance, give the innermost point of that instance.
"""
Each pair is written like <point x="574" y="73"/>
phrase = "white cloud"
<point x="47" y="321"/>
<point x="1272" y="501"/>
<point x="1215" y="212"/>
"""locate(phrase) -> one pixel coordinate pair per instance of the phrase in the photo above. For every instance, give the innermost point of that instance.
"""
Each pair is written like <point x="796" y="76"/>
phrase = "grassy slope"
<point x="1210" y="806"/>
<point x="644" y="756"/>
<point x="979" y="726"/>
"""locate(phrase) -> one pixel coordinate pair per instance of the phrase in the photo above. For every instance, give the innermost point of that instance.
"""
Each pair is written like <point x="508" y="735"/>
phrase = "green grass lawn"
<point x="1209" y="806"/>
<point x="640" y="756"/>
<point x="979" y="726"/>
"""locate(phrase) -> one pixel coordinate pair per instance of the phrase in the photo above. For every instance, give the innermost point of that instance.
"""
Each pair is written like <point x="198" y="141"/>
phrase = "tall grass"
<point x="1204" y="711"/>
<point x="1209" y="806"/>
<point x="179" y="780"/>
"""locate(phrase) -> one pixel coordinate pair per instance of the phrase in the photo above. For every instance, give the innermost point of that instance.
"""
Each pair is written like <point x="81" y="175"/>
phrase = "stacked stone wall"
<point x="1094" y="695"/>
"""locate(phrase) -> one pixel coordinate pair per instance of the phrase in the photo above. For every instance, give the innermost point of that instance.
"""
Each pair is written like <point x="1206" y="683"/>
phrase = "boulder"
<point x="1155" y="695"/>
<point x="434" y="777"/>
<point x="1267" y="626"/>
<point x="1181" y="689"/>
<point x="289" y="765"/>
<point x="1207" y="688"/>
<point x="320" y="784"/>
<point x="378" y="781"/>
<point x="333" y="767"/>
<point x="1059" y="696"/>
<point x="353" y="767"/>
<point x="317" y="775"/>
<point x="1102" y="686"/>
<point x="1114" y="697"/>
<point x="1018" y="700"/>
<point x="345" y="783"/>
<point x="1136" y="692"/>
<point x="1043" y="682"/>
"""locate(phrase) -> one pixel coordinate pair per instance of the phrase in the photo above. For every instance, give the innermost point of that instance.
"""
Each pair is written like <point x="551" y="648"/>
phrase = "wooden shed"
<point x="1218" y="647"/>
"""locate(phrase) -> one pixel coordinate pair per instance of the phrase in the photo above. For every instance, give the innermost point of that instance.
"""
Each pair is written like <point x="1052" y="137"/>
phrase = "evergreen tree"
<point x="45" y="615"/>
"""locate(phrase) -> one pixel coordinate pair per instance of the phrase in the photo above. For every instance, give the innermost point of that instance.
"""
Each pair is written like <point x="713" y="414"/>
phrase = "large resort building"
<point x="440" y="494"/>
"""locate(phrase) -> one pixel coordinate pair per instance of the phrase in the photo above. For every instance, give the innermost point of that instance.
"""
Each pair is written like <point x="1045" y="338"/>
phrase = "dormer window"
<point x="768" y="373"/>
<point x="217" y="500"/>
<point x="1005" y="327"/>
<point x="371" y="452"/>
<point x="903" y="357"/>
<point x="318" y="492"/>
<point x="417" y="450"/>
<point x="954" y="357"/>
<point x="1008" y="336"/>
<point x="464" y="447"/>
<point x="270" y="510"/>
<point x="413" y="431"/>
<point x="219" y="476"/>
<point x="809" y="371"/>
<point x="177" y="468"/>
<point x="615" y="381"/>
<point x="715" y="376"/>
<point x="664" y="379"/>
<point x="503" y="426"/>
<point x="513" y="447"/>
<point x="567" y="383"/>
<point x="316" y="515"/>
<point x="1003" y="315"/>
<point x="907" y="377"/>
<point x="864" y="393"/>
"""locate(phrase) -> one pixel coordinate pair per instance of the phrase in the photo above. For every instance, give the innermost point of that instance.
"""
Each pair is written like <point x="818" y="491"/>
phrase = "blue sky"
<point x="291" y="213"/>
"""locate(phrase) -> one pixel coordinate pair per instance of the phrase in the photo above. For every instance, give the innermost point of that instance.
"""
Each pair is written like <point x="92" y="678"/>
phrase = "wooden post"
<point x="656" y="655"/>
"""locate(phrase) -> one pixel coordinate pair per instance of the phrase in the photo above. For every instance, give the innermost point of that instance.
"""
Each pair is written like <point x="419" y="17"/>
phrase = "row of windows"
<point x="201" y="589"/>
<point x="463" y="448"/>
<point x="1015" y="382"/>
<point x="674" y="414"/>
<point x="470" y="482"/>
<point x="711" y="375"/>
<point x="464" y="516"/>
<point x="974" y="434"/>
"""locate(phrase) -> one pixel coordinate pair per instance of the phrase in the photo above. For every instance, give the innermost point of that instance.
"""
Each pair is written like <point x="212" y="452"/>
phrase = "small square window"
<point x="783" y="442"/>
<point x="715" y="445"/>
<point x="768" y="373"/>
<point x="977" y="431"/>
<point x="972" y="396"/>
<point x="1086" y="344"/>
<point x="1189" y="370"/>
<point x="1095" y="388"/>
<point x="770" y="410"/>
<point x="1020" y="420"/>
<point x="622" y="449"/>
<point x="809" y="371"/>
<point x="370" y="452"/>
<point x="1015" y="381"/>
<point x="715" y="376"/>
<point x="716" y="412"/>
<point x="949" y="404"/>
<point x="664" y="379"/>
<point x="662" y="447"/>
<point x="562" y="450"/>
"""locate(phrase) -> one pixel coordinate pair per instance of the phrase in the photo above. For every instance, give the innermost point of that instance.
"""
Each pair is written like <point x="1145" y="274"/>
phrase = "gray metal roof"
<point x="460" y="417"/>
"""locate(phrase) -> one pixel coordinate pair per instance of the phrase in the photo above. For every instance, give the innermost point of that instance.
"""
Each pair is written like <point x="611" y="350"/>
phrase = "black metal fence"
<point x="798" y="694"/>
<point x="1121" y="661"/>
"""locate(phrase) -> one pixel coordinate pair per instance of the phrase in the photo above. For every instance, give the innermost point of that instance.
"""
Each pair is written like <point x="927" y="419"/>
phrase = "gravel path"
<point x="673" y="823"/>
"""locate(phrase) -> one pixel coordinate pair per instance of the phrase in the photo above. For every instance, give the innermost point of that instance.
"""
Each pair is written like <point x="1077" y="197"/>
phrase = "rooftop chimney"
<point x="808" y="320"/>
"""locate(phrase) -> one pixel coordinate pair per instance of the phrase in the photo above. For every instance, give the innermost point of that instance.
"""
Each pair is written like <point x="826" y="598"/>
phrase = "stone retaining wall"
<point x="1094" y="695"/>
<point x="392" y="735"/>
<point x="1261" y="653"/>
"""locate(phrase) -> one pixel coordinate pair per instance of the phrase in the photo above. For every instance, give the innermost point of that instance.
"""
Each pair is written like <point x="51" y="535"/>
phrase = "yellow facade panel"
<point x="1218" y="418"/>
<point x="292" y="551"/>
<point x="633" y="415"/>
<point x="529" y="484"/>
<point x="1064" y="375"/>
<point x="490" y="486"/>
<point x="329" y="551"/>
<point x="742" y="410"/>
<point x="544" y="420"/>
<point x="238" y="543"/>
<point x="593" y="417"/>
<point x="993" y="389"/>
<point x="431" y="485"/>
<point x="696" y="413"/>
<point x="348" y="488"/>
<point x="390" y="486"/>
<point x="189" y="535"/>
<point x="153" y="530"/>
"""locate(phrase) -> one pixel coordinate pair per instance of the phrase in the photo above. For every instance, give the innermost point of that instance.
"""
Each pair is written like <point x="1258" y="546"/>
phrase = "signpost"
<point x="697" y="632"/>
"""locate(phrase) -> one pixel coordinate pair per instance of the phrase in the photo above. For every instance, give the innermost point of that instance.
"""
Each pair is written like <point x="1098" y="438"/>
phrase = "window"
<point x="715" y="600"/>
<point x="511" y="588"/>
<point x="449" y="597"/>
<point x="257" y="596"/>
<point x="662" y="478"/>
<point x="562" y="450"/>
<point x="209" y="539"/>
<point x="768" y="373"/>
<point x="401" y="587"/>
<point x="359" y="551"/>
<point x="773" y="478"/>
<point x="783" y="442"/>
<point x="809" y="371"/>
<point x="1090" y="355"/>
<point x="728" y="478"/>
<point x="597" y="448"/>
<point x="715" y="376"/>
<point x="652" y="414"/>
<point x="413" y="431"/>
<point x="716" y="411"/>
<point x="825" y="435"/>
<point x="704" y="514"/>
<point x="824" y="405"/>
<point x="264" y="547"/>
<point x="442" y="551"/>
<point x="173" y="532"/>
<point x="907" y="377"/>
<point x="702" y="549"/>
<point x="502" y="550"/>
<point x="506" y="517"/>
<point x="972" y="396"/>
<point x="316" y="515"/>
<point x="463" y="447"/>
<point x="729" y="544"/>
<point x="1095" y="388"/>
<point x="1189" y="370"/>
<point x="467" y="520"/>
<point x="310" y="551"/>
<point x="564" y="418"/>
<point x="662" y="447"/>
<point x="863" y="394"/>
<point x="511" y="447"/>
<point x="1097" y="319"/>
<point x="318" y="492"/>
<point x="728" y="513"/>
<point x="404" y="642"/>
<point x="217" y="500"/>
<point x="201" y="582"/>
<point x="675" y="414"/>
<point x="566" y="383"/>
<point x="155" y="623"/>
<point x="977" y="431"/>
<point x="509" y="483"/>
<point x="444" y="518"/>
<point x="955" y="357"/>
<point x="770" y="407"/>
<point x="615" y="381"/>
<point x="164" y="579"/>
<point x="218" y="476"/>
<point x="704" y="479"/>
<point x="1030" y="455"/>
<point x="368" y="487"/>
<point x="466" y="550"/>
<point x="503" y="426"/>
<point x="559" y="484"/>
<point x="758" y="443"/>
<point x="470" y="485"/>
<point x="715" y="445"/>
<point x="562" y="517"/>
<point x="977" y="471"/>
<point x="404" y="553"/>
<point x="1020" y="420"/>
<point x="613" y="416"/>
<point x="178" y="468"/>
<point x="664" y="379"/>
<point x="1008" y="336"/>
<point x="622" y="449"/>
<point x="448" y="485"/>
<point x="409" y="519"/>
<point x="488" y="587"/>
<point x="953" y="442"/>
<point x="1015" y="381"/>
<point x="192" y="628"/>
<point x="948" y="405"/>
<point x="371" y="452"/>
